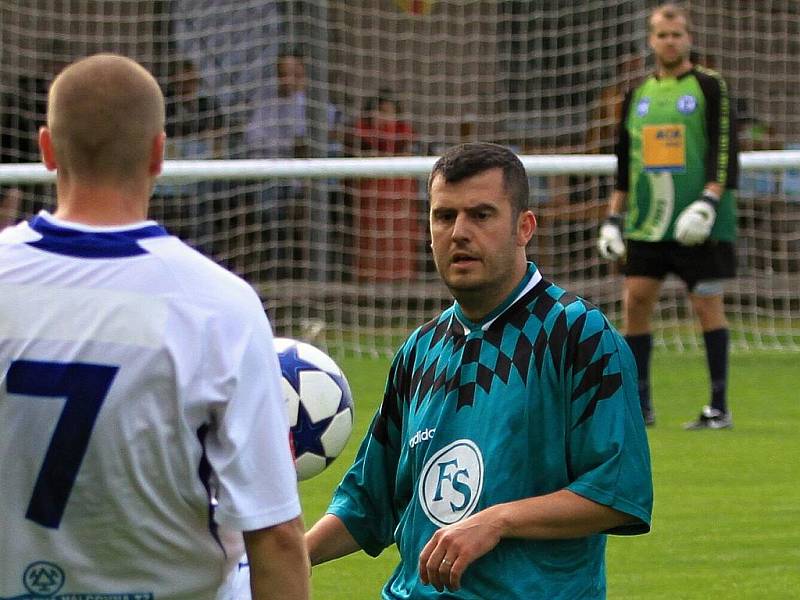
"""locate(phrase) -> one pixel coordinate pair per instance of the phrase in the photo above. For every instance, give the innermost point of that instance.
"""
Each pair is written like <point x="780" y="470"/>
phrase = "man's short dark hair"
<point x="473" y="158"/>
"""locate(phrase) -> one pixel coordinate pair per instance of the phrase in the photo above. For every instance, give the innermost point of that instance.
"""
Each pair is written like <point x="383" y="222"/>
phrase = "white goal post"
<point x="188" y="171"/>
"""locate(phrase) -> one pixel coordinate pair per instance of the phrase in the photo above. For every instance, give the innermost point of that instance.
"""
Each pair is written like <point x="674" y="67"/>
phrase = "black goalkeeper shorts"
<point x="710" y="261"/>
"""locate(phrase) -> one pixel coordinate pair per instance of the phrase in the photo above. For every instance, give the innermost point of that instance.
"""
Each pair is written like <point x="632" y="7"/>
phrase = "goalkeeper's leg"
<point x="639" y="300"/>
<point x="710" y="310"/>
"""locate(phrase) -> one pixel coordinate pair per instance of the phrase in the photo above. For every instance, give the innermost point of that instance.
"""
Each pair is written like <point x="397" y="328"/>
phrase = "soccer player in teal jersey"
<point x="677" y="169"/>
<point x="509" y="441"/>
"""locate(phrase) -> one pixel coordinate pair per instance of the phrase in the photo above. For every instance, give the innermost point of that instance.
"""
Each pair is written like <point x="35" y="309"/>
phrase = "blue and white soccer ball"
<point x="319" y="405"/>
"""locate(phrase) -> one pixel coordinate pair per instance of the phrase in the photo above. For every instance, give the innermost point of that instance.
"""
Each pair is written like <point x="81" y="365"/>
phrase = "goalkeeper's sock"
<point x="717" y="356"/>
<point x="641" y="345"/>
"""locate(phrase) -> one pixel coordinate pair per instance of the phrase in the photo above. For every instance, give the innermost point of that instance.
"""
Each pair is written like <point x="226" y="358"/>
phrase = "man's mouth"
<point x="462" y="259"/>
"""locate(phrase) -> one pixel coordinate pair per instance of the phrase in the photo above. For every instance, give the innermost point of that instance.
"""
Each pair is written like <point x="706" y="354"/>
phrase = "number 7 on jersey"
<point x="85" y="387"/>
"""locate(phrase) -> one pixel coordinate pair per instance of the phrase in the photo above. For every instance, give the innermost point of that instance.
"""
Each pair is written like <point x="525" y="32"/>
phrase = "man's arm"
<point x="278" y="562"/>
<point x="329" y="539"/>
<point x="720" y="158"/>
<point x="610" y="242"/>
<point x="560" y="515"/>
<point x="617" y="203"/>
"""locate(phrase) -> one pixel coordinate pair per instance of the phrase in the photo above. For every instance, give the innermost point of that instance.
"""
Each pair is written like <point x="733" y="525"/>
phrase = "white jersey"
<point x="142" y="424"/>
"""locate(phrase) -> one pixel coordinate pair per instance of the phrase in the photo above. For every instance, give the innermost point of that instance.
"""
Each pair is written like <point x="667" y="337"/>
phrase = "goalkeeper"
<point x="677" y="168"/>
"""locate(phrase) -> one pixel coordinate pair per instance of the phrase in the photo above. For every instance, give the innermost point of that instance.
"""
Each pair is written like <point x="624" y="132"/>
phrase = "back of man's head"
<point x="104" y="113"/>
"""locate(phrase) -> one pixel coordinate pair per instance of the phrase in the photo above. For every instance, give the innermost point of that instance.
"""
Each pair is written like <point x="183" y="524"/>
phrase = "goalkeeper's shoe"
<point x="711" y="418"/>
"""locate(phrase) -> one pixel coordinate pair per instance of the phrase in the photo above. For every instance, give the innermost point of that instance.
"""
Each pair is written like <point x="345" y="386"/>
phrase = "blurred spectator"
<point x="195" y="128"/>
<point x="195" y="124"/>
<point x="389" y="227"/>
<point x="282" y="126"/>
<point x="279" y="126"/>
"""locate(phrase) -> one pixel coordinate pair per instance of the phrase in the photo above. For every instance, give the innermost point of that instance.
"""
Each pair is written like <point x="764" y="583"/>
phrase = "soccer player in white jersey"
<point x="144" y="441"/>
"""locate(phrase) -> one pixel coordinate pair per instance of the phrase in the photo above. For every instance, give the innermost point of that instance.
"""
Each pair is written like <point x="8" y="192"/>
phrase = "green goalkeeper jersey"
<point x="539" y="396"/>
<point x="676" y="135"/>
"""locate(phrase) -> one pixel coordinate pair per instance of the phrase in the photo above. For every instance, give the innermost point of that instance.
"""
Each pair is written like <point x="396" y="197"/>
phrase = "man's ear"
<point x="526" y="226"/>
<point x="157" y="155"/>
<point x="46" y="150"/>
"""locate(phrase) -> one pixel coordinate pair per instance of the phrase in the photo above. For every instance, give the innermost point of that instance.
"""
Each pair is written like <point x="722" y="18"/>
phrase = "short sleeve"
<point x="609" y="457"/>
<point x="365" y="500"/>
<point x="248" y="444"/>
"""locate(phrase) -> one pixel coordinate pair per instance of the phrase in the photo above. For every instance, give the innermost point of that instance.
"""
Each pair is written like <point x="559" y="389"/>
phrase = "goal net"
<point x="341" y="257"/>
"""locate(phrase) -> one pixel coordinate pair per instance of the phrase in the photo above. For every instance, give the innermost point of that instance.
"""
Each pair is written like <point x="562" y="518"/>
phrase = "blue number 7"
<point x="85" y="387"/>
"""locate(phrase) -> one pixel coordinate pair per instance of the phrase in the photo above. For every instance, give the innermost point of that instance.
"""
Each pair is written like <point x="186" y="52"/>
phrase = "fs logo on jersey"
<point x="687" y="104"/>
<point x="451" y="482"/>
<point x="643" y="107"/>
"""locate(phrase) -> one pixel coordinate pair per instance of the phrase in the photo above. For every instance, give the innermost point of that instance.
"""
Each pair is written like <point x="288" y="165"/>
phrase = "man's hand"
<point x="694" y="224"/>
<point x="454" y="547"/>
<point x="610" y="243"/>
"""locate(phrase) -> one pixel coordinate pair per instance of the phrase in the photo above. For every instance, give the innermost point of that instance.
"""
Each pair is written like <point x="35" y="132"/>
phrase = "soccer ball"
<point x="319" y="405"/>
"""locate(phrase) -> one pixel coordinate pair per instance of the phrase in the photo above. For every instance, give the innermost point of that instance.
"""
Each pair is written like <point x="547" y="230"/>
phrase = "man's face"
<point x="669" y="40"/>
<point x="291" y="76"/>
<point x="478" y="246"/>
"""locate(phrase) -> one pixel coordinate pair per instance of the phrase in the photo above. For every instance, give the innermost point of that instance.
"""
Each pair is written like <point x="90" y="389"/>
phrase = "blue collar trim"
<point x="80" y="243"/>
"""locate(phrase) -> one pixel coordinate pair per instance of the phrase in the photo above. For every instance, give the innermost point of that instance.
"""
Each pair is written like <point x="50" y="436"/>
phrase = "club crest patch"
<point x="43" y="580"/>
<point x="687" y="104"/>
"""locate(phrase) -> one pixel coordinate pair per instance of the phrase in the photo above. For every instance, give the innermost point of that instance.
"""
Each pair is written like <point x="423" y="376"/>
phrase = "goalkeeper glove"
<point x="610" y="242"/>
<point x="694" y="224"/>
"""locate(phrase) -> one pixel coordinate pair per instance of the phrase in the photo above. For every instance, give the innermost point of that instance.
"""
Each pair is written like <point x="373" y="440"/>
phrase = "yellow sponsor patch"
<point x="664" y="147"/>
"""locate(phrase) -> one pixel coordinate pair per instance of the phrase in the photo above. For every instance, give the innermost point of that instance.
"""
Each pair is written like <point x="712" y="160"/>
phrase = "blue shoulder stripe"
<point x="92" y="244"/>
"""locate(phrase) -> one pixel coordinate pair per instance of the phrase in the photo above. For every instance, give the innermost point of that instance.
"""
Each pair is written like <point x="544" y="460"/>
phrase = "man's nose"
<point x="461" y="227"/>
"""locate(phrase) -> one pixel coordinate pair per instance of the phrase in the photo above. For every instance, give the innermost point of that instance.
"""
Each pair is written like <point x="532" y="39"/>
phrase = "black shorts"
<point x="709" y="261"/>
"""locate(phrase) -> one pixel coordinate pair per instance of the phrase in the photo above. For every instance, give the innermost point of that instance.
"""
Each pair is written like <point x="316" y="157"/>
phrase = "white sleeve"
<point x="248" y="447"/>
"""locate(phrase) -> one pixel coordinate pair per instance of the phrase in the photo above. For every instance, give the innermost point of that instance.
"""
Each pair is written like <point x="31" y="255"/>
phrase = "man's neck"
<point x="677" y="71"/>
<point x="100" y="205"/>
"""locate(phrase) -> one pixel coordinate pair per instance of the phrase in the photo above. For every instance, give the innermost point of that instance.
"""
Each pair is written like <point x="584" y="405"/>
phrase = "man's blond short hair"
<point x="670" y="11"/>
<point x="103" y="113"/>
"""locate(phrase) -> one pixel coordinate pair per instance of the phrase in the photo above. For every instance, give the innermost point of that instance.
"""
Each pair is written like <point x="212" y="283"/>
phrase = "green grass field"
<point x="726" y="520"/>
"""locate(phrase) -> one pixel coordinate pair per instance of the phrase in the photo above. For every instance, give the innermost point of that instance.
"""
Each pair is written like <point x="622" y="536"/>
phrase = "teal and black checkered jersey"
<point x="539" y="396"/>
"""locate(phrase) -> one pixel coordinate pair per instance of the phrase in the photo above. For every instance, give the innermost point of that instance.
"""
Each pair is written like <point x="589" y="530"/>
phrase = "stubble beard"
<point x="481" y="293"/>
<point x="669" y="65"/>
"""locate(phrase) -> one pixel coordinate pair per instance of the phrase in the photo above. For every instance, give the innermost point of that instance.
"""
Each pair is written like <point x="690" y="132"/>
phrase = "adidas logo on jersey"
<point x="423" y="435"/>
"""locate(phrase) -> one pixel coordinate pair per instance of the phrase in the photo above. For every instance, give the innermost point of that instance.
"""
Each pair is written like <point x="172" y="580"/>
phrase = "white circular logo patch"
<point x="451" y="482"/>
<point x="687" y="104"/>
